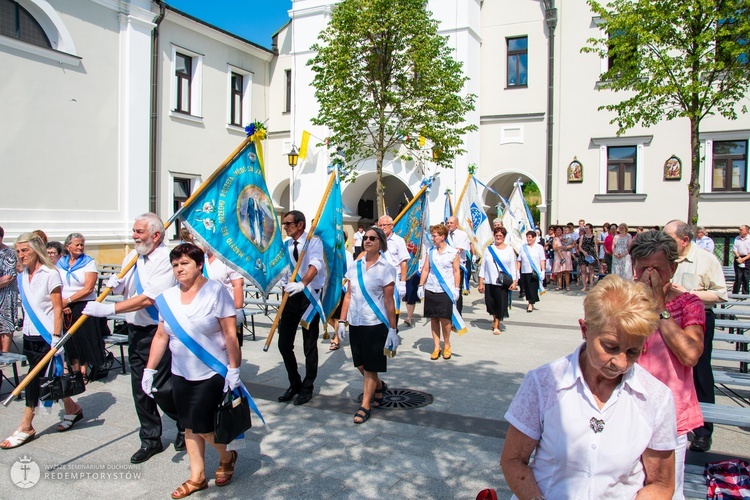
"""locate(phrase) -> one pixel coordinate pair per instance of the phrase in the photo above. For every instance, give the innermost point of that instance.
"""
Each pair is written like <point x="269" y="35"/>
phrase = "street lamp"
<point x="293" y="156"/>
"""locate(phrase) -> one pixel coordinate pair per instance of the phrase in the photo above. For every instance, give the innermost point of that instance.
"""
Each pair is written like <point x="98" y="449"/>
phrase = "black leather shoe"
<point x="302" y="398"/>
<point x="144" y="454"/>
<point x="288" y="395"/>
<point x="179" y="442"/>
<point x="701" y="443"/>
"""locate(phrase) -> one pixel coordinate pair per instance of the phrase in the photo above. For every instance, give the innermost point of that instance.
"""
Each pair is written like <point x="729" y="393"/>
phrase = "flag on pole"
<point x="234" y="218"/>
<point x="448" y="207"/>
<point x="303" y="146"/>
<point x="410" y="225"/>
<point x="329" y="229"/>
<point x="517" y="217"/>
<point x="472" y="217"/>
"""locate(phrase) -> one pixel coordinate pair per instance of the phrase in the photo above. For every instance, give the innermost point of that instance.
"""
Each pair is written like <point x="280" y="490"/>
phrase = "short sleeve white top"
<point x="397" y="252"/>
<point x="459" y="240"/>
<point x="211" y="303"/>
<point x="155" y="273"/>
<point x="537" y="254"/>
<point x="358" y="238"/>
<point x="376" y="277"/>
<point x="74" y="281"/>
<point x="554" y="405"/>
<point x="218" y="271"/>
<point x="43" y="282"/>
<point x="441" y="263"/>
<point x="490" y="271"/>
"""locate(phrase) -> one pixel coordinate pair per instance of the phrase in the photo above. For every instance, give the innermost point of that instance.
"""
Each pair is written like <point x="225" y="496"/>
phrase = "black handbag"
<point x="232" y="418"/>
<point x="61" y="386"/>
<point x="504" y="280"/>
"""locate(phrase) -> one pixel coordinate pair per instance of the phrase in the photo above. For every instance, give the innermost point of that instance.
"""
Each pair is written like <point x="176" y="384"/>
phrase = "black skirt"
<point x="367" y="344"/>
<point x="86" y="345"/>
<point x="437" y="305"/>
<point x="196" y="402"/>
<point x="35" y="348"/>
<point x="531" y="287"/>
<point x="496" y="300"/>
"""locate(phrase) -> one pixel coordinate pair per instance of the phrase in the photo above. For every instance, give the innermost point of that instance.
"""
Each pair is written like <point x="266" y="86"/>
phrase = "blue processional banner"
<point x="234" y="217"/>
<point x="411" y="225"/>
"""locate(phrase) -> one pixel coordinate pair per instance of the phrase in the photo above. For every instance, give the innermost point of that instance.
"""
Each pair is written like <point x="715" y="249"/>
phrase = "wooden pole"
<point x="460" y="198"/>
<point x="299" y="261"/>
<point x="73" y="329"/>
<point x="408" y="205"/>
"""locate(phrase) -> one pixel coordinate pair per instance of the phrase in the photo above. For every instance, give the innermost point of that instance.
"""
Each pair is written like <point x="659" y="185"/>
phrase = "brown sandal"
<point x="225" y="471"/>
<point x="188" y="488"/>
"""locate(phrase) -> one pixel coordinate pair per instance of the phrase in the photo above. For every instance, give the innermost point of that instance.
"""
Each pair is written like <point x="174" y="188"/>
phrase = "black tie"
<point x="295" y="253"/>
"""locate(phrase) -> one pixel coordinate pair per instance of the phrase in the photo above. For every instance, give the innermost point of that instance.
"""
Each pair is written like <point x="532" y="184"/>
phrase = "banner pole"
<point x="299" y="261"/>
<point x="461" y="197"/>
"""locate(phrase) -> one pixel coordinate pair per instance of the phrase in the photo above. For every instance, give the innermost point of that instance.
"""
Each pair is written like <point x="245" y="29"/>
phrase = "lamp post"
<point x="293" y="157"/>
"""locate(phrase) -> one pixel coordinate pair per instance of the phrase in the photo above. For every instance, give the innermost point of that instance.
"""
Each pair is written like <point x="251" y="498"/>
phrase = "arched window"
<point x="16" y="22"/>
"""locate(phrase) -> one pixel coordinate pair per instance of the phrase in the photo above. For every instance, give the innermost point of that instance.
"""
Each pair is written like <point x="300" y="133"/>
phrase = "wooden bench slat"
<point x="732" y="378"/>
<point x="727" y="355"/>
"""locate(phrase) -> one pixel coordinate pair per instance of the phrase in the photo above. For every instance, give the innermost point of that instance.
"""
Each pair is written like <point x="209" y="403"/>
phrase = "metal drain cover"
<point x="403" y="399"/>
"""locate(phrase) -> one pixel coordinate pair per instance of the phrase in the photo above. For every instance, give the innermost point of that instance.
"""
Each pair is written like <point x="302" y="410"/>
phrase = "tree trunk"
<point x="694" y="187"/>
<point x="379" y="190"/>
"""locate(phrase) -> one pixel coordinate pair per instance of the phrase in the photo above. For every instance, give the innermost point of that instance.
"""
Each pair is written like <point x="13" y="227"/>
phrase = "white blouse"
<point x="537" y="253"/>
<point x="211" y="303"/>
<point x="554" y="405"/>
<point x="218" y="271"/>
<point x="77" y="280"/>
<point x="380" y="274"/>
<point x="43" y="282"/>
<point x="489" y="270"/>
<point x="443" y="264"/>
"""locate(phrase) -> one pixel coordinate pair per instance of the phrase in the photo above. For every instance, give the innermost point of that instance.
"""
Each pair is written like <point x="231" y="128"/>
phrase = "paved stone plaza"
<point x="447" y="449"/>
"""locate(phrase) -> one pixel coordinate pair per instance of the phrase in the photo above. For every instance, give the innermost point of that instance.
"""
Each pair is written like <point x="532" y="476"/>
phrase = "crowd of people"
<point x="648" y="328"/>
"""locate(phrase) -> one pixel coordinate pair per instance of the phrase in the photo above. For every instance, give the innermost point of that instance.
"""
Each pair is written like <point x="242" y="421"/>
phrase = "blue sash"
<point x="201" y="353"/>
<point x="205" y="267"/>
<point x="535" y="268"/>
<point x="315" y="307"/>
<point x="64" y="264"/>
<point x="456" y="320"/>
<point x="150" y="310"/>
<point x="370" y="302"/>
<point x="499" y="262"/>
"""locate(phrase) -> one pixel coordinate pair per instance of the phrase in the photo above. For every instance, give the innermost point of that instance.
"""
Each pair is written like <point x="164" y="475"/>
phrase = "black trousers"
<point x="460" y="299"/>
<point x="741" y="278"/>
<point x="703" y="375"/>
<point x="296" y="305"/>
<point x="139" y="345"/>
<point x="34" y="348"/>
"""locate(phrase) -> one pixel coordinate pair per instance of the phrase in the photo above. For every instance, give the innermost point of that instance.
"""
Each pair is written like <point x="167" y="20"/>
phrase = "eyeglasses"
<point x="386" y="225"/>
<point x="288" y="223"/>
<point x="369" y="238"/>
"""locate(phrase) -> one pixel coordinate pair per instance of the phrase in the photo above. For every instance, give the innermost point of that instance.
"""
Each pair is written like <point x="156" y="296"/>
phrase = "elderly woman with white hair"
<point x="598" y="424"/>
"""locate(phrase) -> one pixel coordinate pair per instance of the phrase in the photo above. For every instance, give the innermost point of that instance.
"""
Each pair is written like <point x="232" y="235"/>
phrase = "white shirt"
<point x="702" y="271"/>
<point x="705" y="243"/>
<point x="742" y="245"/>
<point x="554" y="405"/>
<point x="358" y="238"/>
<point x="489" y="270"/>
<point x="313" y="257"/>
<point x="537" y="253"/>
<point x="376" y="277"/>
<point x="443" y="264"/>
<point x="459" y="240"/>
<point x="77" y="280"/>
<point x="43" y="283"/>
<point x="397" y="252"/>
<point x="155" y="273"/>
<point x="220" y="272"/>
<point x="211" y="303"/>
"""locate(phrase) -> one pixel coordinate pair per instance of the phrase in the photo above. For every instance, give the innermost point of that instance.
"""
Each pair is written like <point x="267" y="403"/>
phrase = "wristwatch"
<point x="665" y="314"/>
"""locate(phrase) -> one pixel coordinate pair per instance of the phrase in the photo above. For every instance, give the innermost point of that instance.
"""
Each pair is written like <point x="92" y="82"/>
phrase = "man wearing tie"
<point x="312" y="272"/>
<point x="459" y="240"/>
<point x="397" y="256"/>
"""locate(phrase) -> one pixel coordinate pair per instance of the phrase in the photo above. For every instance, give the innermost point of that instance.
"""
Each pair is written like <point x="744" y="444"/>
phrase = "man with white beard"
<point x="151" y="275"/>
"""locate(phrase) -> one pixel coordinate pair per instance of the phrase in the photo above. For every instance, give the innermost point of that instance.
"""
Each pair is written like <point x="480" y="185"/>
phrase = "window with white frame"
<point x="518" y="61"/>
<point x="621" y="164"/>
<point x="621" y="171"/>
<point x="35" y="27"/>
<point x="238" y="107"/>
<point x="288" y="91"/>
<point x="17" y="22"/>
<point x="729" y="166"/>
<point x="187" y="79"/>
<point x="182" y="187"/>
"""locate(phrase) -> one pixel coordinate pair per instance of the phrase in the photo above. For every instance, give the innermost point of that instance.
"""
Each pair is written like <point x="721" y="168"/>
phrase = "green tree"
<point x="386" y="84"/>
<point x="685" y="59"/>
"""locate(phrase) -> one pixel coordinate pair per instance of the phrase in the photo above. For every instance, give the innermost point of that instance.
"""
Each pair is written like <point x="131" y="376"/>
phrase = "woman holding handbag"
<point x="197" y="324"/>
<point x="40" y="289"/>
<point x="369" y="309"/>
<point x="496" y="276"/>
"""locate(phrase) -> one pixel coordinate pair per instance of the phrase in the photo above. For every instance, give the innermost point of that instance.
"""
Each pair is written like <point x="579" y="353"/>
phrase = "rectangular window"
<point x="182" y="191"/>
<point x="288" y="101"/>
<point x="729" y="166"/>
<point x="518" y="55"/>
<point x="621" y="169"/>
<point x="184" y="75"/>
<point x="236" y="91"/>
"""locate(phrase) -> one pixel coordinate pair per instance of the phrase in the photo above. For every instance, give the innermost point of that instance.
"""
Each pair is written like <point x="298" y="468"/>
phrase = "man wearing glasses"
<point x="311" y="275"/>
<point x="397" y="255"/>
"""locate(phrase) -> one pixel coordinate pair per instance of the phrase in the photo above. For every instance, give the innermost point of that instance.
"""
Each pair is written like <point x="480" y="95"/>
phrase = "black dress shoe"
<point x="288" y="395"/>
<point x="179" y="441"/>
<point x="302" y="398"/>
<point x="701" y="443"/>
<point x="144" y="454"/>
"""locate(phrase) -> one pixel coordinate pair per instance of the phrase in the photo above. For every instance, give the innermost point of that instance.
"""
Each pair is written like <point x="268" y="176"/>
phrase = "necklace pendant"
<point x="596" y="425"/>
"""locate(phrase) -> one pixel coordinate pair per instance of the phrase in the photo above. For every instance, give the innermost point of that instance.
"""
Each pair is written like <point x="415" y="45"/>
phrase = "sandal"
<point x="378" y="402"/>
<point x="362" y="415"/>
<point x="18" y="438"/>
<point x="496" y="331"/>
<point x="408" y="321"/>
<point x="188" y="488"/>
<point x="447" y="352"/>
<point x="435" y="354"/>
<point x="225" y="471"/>
<point x="334" y="346"/>
<point x="559" y="288"/>
<point x="69" y="420"/>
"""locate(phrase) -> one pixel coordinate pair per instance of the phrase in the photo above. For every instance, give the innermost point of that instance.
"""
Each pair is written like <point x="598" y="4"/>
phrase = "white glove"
<point x="239" y="317"/>
<point x="99" y="309"/>
<point x="232" y="380"/>
<point x="147" y="382"/>
<point x="341" y="331"/>
<point x="61" y="349"/>
<point x="401" y="286"/>
<point x="392" y="341"/>
<point x="420" y="292"/>
<point x="294" y="287"/>
<point x="456" y="294"/>
<point x="474" y="259"/>
<point x="117" y="285"/>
